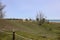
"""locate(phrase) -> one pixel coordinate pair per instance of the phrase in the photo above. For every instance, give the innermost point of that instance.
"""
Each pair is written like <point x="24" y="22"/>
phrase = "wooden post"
<point x="13" y="35"/>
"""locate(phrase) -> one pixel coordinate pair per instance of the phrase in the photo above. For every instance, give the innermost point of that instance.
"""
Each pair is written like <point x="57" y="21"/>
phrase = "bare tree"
<point x="37" y="17"/>
<point x="40" y="18"/>
<point x="1" y="10"/>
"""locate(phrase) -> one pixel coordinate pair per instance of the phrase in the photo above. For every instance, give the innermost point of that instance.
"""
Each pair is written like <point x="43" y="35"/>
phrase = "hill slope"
<point x="28" y="30"/>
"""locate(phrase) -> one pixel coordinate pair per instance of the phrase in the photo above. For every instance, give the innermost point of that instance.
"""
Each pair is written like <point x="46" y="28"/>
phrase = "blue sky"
<point x="29" y="8"/>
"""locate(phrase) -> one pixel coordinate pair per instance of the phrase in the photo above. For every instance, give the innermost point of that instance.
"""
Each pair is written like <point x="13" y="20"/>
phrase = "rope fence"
<point x="15" y="34"/>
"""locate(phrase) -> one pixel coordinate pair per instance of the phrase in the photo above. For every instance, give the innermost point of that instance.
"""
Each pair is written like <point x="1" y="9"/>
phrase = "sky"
<point x="30" y="8"/>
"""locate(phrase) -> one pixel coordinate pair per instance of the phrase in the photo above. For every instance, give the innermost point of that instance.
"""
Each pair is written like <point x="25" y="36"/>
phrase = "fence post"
<point x="13" y="35"/>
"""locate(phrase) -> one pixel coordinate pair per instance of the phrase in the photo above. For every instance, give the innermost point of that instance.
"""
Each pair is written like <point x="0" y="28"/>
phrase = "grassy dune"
<point x="28" y="30"/>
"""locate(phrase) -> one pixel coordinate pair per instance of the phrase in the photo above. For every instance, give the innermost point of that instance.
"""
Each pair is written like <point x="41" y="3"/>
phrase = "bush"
<point x="42" y="21"/>
<point x="26" y="19"/>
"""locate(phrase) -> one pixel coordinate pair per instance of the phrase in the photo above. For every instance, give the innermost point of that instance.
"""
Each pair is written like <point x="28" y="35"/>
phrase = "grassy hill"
<point x="28" y="30"/>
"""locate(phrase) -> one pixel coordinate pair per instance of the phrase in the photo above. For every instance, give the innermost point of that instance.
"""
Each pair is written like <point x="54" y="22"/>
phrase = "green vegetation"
<point x="28" y="30"/>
